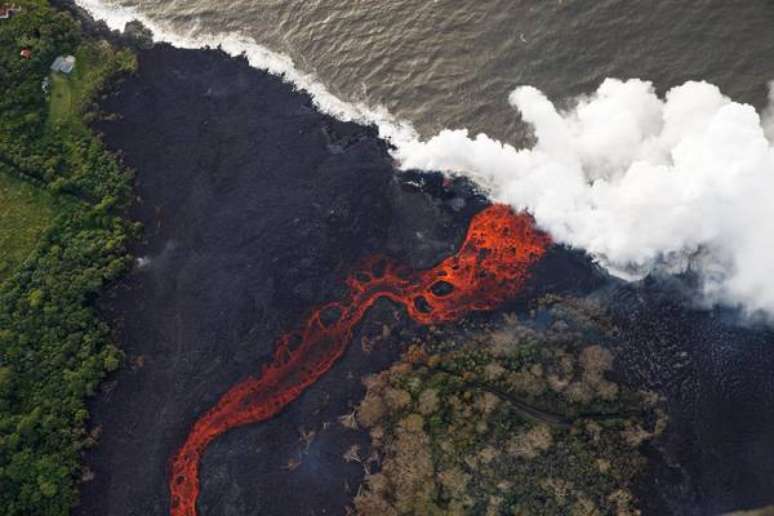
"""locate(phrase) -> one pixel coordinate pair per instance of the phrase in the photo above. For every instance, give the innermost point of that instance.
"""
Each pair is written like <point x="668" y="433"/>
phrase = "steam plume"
<point x="641" y="183"/>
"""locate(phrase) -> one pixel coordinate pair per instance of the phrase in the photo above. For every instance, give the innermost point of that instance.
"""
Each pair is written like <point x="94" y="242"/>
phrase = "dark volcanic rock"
<point x="255" y="207"/>
<point x="715" y="373"/>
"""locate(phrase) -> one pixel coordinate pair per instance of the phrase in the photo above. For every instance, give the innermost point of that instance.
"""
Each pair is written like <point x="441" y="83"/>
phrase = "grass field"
<point x="25" y="213"/>
<point x="69" y="93"/>
<point x="61" y="106"/>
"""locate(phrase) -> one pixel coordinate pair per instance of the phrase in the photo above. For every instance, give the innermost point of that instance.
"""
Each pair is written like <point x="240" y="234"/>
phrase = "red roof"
<point x="26" y="53"/>
<point x="7" y="10"/>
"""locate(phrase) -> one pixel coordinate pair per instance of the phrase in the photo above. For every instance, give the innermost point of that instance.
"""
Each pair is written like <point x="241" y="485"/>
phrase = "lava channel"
<point x="490" y="267"/>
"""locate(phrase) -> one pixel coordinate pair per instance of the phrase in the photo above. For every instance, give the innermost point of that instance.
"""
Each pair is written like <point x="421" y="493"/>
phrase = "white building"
<point x="64" y="64"/>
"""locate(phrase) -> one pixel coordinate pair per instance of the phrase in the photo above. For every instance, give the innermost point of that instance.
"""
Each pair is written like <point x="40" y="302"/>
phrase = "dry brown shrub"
<point x="505" y="485"/>
<point x="493" y="506"/>
<point x="578" y="392"/>
<point x="596" y="359"/>
<point x="409" y="465"/>
<point x="559" y="488"/>
<point x="566" y="363"/>
<point x="378" y="483"/>
<point x="487" y="454"/>
<point x="502" y="343"/>
<point x="454" y="481"/>
<point x="352" y="454"/>
<point x="413" y="423"/>
<point x="635" y="435"/>
<point x="607" y="390"/>
<point x="594" y="429"/>
<point x="459" y="507"/>
<point x="557" y="383"/>
<point x="624" y="503"/>
<point x="400" y="368"/>
<point x="603" y="465"/>
<point x="527" y="382"/>
<point x="368" y="503"/>
<point x="661" y="422"/>
<point x="486" y="403"/>
<point x="371" y="410"/>
<point x="377" y="434"/>
<point x="584" y="507"/>
<point x="428" y="401"/>
<point x="493" y="371"/>
<point x="529" y="444"/>
<point x="396" y="399"/>
<point x="349" y="420"/>
<point x="375" y="382"/>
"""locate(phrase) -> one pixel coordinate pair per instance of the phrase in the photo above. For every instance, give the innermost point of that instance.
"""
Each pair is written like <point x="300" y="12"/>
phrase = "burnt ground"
<point x="255" y="206"/>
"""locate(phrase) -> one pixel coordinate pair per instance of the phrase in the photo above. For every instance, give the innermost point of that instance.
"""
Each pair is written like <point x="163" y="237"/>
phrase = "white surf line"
<point x="398" y="132"/>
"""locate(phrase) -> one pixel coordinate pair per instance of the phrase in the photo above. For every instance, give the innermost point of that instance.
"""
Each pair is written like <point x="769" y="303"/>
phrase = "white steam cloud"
<point x="639" y="182"/>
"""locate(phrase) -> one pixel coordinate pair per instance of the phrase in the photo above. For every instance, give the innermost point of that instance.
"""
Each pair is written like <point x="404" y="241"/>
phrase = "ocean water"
<point x="451" y="63"/>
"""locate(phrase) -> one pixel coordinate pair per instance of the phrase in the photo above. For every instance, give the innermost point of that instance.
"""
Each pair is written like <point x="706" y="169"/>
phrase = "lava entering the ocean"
<point x="490" y="267"/>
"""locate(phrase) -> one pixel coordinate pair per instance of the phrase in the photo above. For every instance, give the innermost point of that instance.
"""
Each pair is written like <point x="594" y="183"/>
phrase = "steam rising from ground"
<point x="641" y="183"/>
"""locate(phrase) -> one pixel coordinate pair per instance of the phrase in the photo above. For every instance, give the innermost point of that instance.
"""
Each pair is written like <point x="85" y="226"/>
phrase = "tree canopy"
<point x="53" y="348"/>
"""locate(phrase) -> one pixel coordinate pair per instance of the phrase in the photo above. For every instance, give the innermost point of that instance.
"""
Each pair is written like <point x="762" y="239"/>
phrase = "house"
<point x="25" y="53"/>
<point x="6" y="11"/>
<point x="64" y="64"/>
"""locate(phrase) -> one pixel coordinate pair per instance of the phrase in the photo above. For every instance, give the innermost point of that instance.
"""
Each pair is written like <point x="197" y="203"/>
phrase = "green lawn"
<point x="25" y="213"/>
<point x="94" y="62"/>
<point x="61" y="105"/>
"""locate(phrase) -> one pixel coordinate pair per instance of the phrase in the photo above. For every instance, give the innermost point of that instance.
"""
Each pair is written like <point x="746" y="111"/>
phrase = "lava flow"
<point x="490" y="267"/>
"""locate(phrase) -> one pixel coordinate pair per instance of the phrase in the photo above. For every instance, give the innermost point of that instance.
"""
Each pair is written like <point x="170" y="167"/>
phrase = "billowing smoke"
<point x="641" y="183"/>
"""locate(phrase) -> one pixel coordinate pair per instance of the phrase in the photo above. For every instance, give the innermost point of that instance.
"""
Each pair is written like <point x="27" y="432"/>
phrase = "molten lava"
<point x="490" y="267"/>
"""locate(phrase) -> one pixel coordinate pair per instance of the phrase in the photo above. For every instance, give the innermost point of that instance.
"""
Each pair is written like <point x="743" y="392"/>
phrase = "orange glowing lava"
<point x="490" y="267"/>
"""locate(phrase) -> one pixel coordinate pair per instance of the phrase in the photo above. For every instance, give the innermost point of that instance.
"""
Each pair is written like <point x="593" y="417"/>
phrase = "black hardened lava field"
<point x="256" y="208"/>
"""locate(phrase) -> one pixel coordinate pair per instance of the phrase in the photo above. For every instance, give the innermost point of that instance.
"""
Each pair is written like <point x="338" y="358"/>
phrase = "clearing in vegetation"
<point x="25" y="213"/>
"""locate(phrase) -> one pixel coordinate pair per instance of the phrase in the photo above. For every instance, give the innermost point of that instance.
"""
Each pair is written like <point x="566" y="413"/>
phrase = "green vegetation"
<point x="25" y="213"/>
<point x="72" y="94"/>
<point x="63" y="238"/>
<point x="508" y="420"/>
